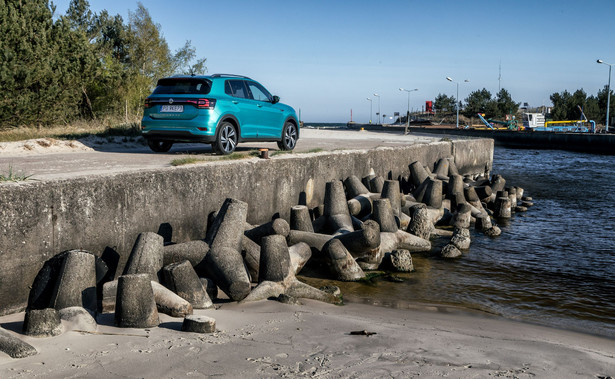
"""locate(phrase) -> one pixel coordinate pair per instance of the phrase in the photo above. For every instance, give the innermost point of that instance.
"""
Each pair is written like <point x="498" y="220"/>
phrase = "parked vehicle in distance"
<point x="221" y="109"/>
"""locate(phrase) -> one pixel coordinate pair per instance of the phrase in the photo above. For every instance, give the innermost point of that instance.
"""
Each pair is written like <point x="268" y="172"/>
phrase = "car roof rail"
<point x="229" y="75"/>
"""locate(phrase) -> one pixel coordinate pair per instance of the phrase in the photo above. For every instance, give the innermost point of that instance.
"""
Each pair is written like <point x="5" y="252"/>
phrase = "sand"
<point x="271" y="339"/>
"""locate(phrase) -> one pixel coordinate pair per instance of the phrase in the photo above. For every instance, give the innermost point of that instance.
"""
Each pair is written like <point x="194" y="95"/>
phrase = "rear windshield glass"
<point x="177" y="86"/>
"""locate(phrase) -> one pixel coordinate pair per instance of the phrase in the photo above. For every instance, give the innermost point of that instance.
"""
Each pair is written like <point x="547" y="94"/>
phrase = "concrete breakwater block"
<point x="224" y="263"/>
<point x="341" y="262"/>
<point x="167" y="301"/>
<point x="461" y="238"/>
<point x="398" y="260"/>
<point x="76" y="283"/>
<point x="300" y="219"/>
<point x="421" y="224"/>
<point x="300" y="254"/>
<point x="183" y="280"/>
<point x="199" y="324"/>
<point x="384" y="216"/>
<point x="135" y="305"/>
<point x="192" y="251"/>
<point x="450" y="251"/>
<point x="278" y="226"/>
<point x="275" y="259"/>
<point x="147" y="256"/>
<point x="336" y="209"/>
<point x="45" y="285"/>
<point x="14" y="347"/>
<point x="42" y="323"/>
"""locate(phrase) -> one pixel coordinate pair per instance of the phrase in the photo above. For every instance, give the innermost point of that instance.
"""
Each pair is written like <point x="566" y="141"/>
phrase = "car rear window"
<point x="179" y="86"/>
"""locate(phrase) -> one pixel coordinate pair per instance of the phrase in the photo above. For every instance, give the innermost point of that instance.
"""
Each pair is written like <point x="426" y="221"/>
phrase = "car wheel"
<point x="159" y="146"/>
<point x="289" y="137"/>
<point x="226" y="140"/>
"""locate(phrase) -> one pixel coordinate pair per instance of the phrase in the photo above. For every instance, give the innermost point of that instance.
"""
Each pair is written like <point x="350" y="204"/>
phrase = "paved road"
<point x="113" y="158"/>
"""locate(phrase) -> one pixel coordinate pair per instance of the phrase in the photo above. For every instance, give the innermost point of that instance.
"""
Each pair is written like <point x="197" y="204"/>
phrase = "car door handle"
<point x="259" y="105"/>
<point x="235" y="102"/>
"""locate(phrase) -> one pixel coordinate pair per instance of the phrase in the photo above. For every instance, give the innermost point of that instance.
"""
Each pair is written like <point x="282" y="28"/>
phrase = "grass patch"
<point x="186" y="160"/>
<point x="280" y="152"/>
<point x="315" y="150"/>
<point x="13" y="177"/>
<point x="76" y="130"/>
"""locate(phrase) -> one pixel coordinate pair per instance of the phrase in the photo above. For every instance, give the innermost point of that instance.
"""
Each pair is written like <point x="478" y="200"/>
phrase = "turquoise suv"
<point x="220" y="109"/>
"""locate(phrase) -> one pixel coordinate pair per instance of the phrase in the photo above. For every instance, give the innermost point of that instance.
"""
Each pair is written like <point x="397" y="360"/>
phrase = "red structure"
<point x="429" y="107"/>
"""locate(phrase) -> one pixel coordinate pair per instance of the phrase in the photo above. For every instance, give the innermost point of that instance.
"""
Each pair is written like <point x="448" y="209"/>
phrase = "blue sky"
<point x="326" y="57"/>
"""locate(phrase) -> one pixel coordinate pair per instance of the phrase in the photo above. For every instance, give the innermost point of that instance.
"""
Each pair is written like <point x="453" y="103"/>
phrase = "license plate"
<point x="172" y="108"/>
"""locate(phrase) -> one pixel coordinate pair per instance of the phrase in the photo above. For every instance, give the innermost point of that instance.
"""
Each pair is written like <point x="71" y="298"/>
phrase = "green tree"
<point x="28" y="79"/>
<point x="505" y="104"/>
<point x="602" y="102"/>
<point x="444" y="103"/>
<point x="480" y="101"/>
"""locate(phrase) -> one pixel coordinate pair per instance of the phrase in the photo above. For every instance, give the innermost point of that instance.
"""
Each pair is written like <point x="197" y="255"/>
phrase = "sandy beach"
<point x="271" y="339"/>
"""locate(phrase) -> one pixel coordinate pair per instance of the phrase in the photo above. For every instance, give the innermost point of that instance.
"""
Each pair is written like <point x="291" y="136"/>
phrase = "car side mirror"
<point x="276" y="99"/>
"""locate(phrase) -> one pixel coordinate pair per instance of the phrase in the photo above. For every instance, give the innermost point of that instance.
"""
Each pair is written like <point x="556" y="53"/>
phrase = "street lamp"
<point x="378" y="96"/>
<point x="408" y="114"/>
<point x="457" y="98"/>
<point x="608" y="93"/>
<point x="370" y="109"/>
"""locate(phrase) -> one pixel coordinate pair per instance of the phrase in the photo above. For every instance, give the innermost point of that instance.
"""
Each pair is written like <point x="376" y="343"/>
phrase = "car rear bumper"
<point x="177" y="136"/>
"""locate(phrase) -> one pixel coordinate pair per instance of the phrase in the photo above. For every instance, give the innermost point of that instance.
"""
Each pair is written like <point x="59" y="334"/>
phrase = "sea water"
<point x="552" y="265"/>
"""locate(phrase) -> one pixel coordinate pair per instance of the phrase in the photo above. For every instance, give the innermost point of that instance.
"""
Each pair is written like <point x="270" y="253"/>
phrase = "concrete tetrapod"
<point x="433" y="193"/>
<point x="135" y="304"/>
<point x="300" y="218"/>
<point x="199" y="324"/>
<point x="354" y="187"/>
<point x="462" y="216"/>
<point x="146" y="256"/>
<point x="224" y="263"/>
<point x="193" y="251"/>
<point x="461" y="238"/>
<point x="275" y="264"/>
<point x="441" y="170"/>
<point x="376" y="184"/>
<point x="76" y="283"/>
<point x="42" y="323"/>
<point x="398" y="260"/>
<point x="418" y="174"/>
<point x="14" y="347"/>
<point x="421" y="224"/>
<point x="336" y="208"/>
<point x="167" y="301"/>
<point x="183" y="280"/>
<point x="341" y="263"/>
<point x="383" y="215"/>
<point x="277" y="226"/>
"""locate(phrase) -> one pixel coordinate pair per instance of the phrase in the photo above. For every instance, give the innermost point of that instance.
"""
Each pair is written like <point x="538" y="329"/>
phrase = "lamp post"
<point x="408" y="114"/>
<point x="457" y="98"/>
<point x="379" y="114"/>
<point x="608" y="93"/>
<point x="370" y="109"/>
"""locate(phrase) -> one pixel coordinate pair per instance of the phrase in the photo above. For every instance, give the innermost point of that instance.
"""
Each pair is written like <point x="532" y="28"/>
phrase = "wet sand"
<point x="270" y="339"/>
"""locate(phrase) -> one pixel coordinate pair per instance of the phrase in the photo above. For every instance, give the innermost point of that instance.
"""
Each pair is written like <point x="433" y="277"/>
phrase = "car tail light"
<point x="205" y="103"/>
<point x="147" y="103"/>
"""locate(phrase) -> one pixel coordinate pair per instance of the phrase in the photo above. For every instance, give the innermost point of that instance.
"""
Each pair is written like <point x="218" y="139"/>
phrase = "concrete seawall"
<point x="105" y="213"/>
<point x="580" y="142"/>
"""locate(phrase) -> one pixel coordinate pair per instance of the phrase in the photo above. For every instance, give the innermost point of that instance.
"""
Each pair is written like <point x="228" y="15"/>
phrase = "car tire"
<point x="159" y="146"/>
<point x="226" y="139"/>
<point x="290" y="135"/>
